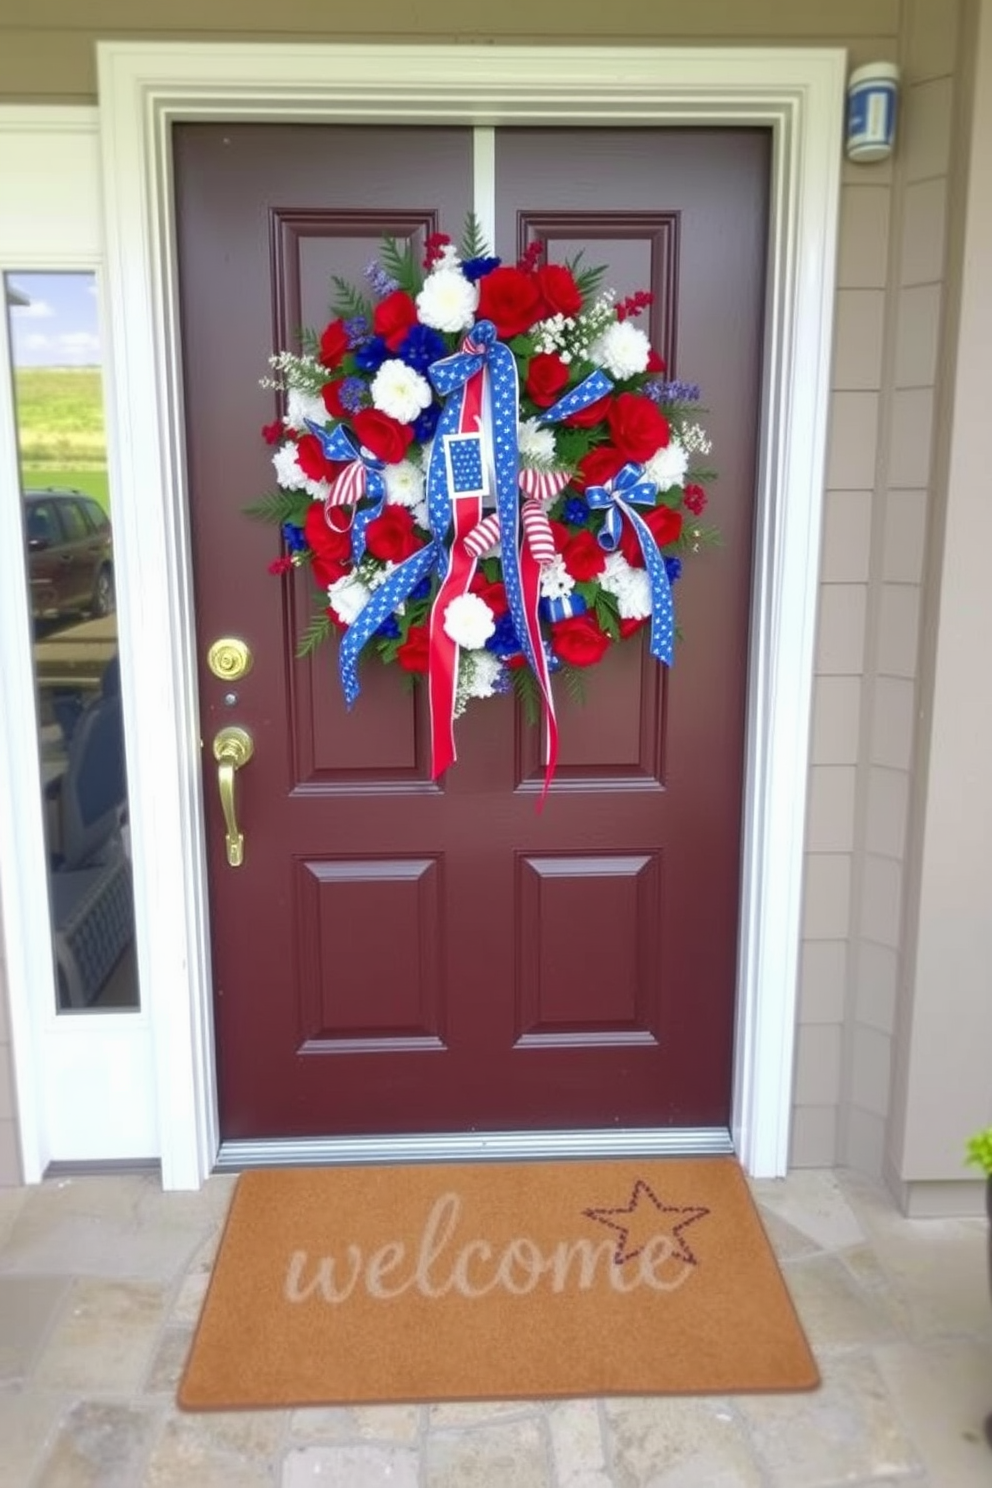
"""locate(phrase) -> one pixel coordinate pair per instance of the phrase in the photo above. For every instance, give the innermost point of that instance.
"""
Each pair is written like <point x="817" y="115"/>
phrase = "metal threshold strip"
<point x="275" y="1152"/>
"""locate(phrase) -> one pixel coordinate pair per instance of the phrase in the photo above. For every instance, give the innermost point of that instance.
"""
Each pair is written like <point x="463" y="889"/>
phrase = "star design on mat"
<point x="644" y="1219"/>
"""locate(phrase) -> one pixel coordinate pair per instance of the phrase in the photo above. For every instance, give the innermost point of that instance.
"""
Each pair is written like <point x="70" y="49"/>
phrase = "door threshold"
<point x="279" y="1152"/>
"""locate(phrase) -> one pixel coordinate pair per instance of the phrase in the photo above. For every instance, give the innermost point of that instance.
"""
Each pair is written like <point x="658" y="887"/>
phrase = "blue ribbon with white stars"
<point x="617" y="499"/>
<point x="383" y="601"/>
<point x="363" y="478"/>
<point x="594" y="387"/>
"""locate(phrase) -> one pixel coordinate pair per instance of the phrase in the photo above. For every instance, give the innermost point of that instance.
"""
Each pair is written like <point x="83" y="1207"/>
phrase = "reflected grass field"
<point x="60" y="426"/>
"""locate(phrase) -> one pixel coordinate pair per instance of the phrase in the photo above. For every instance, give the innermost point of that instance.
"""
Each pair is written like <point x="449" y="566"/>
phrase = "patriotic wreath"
<point x="487" y="473"/>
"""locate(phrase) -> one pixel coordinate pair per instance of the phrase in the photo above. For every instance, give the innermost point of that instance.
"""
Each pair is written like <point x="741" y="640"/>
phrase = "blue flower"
<point x="389" y="629"/>
<point x="354" y="394"/>
<point x="382" y="285"/>
<point x="575" y="511"/>
<point x="426" y="422"/>
<point x="293" y="537"/>
<point x="371" y="356"/>
<point x="357" y="329"/>
<point x="420" y="347"/>
<point x="421" y="590"/>
<point x="673" y="567"/>
<point x="504" y="640"/>
<point x="475" y="268"/>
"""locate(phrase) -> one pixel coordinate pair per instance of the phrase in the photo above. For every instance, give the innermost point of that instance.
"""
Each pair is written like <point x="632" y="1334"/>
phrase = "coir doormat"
<point x="493" y="1281"/>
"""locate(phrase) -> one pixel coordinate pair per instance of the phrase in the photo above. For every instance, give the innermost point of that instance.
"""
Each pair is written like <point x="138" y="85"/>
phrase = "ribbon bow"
<point x="362" y="476"/>
<point x="617" y="499"/>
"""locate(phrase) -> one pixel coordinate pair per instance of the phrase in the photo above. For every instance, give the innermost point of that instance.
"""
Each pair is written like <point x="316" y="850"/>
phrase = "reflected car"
<point x="70" y="554"/>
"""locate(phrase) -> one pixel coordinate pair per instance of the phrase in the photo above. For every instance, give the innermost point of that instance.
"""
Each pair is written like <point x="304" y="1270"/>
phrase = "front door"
<point x="397" y="956"/>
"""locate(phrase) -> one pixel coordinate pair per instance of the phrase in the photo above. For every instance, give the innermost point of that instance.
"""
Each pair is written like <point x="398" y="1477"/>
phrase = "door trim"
<point x="144" y="88"/>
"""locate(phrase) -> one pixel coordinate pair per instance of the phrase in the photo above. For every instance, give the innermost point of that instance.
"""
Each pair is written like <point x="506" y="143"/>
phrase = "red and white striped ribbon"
<point x="537" y="531"/>
<point x="348" y="487"/>
<point x="484" y="536"/>
<point x="543" y="485"/>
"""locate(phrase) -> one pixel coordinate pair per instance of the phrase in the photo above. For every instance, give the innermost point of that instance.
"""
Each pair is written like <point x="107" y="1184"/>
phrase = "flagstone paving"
<point x="101" y="1281"/>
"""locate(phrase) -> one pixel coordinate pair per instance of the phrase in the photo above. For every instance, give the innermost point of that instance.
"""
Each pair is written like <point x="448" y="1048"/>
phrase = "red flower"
<point x="587" y="418"/>
<point x="333" y="344"/>
<point x="547" y="374"/>
<point x="331" y="395"/>
<point x="559" y="290"/>
<point x="414" y="653"/>
<point x="388" y="439"/>
<point x="579" y="641"/>
<point x="655" y="362"/>
<point x="273" y="433"/>
<point x="662" y="522"/>
<point x="310" y="456"/>
<point x="393" y="317"/>
<point x="281" y="565"/>
<point x="584" y="558"/>
<point x="637" y="426"/>
<point x="630" y="627"/>
<point x="598" y="466"/>
<point x="511" y="300"/>
<point x="392" y="536"/>
<point x="330" y="546"/>
<point x="494" y="593"/>
<point x="695" y="500"/>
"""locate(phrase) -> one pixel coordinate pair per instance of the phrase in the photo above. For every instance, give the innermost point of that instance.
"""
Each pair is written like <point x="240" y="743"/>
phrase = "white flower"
<point x="348" y="597"/>
<point x="631" y="586"/>
<point x="301" y="406"/>
<point x="374" y="574"/>
<point x="469" y="621"/>
<point x="479" y="672"/>
<point x="667" y="467"/>
<point x="292" y="478"/>
<point x="536" y="445"/>
<point x="448" y="301"/>
<point x="695" y="439"/>
<point x="622" y="349"/>
<point x="400" y="391"/>
<point x="421" y="515"/>
<point x="556" y="581"/>
<point x="404" y="484"/>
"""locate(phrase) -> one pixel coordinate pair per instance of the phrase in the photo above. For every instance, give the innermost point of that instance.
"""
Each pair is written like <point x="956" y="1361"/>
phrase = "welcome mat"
<point x="493" y="1281"/>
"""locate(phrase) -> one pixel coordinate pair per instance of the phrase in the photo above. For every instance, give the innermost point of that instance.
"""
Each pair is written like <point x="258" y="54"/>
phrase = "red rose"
<point x="393" y="317"/>
<point x="413" y="654"/>
<point x="695" y="500"/>
<point x="630" y="627"/>
<point x="579" y="641"/>
<point x="310" y="455"/>
<point x="598" y="466"/>
<point x="273" y="433"/>
<point x="664" y="525"/>
<point x="559" y="291"/>
<point x="386" y="437"/>
<point x="333" y="344"/>
<point x="547" y="374"/>
<point x="637" y="426"/>
<point x="655" y="362"/>
<point x="584" y="558"/>
<point x="392" y="537"/>
<point x="587" y="418"/>
<point x="511" y="300"/>
<point x="330" y="546"/>
<point x="331" y="395"/>
<point x="494" y="593"/>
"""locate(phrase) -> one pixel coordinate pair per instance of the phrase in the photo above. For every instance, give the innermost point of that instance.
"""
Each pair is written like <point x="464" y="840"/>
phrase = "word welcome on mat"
<point x="493" y="1281"/>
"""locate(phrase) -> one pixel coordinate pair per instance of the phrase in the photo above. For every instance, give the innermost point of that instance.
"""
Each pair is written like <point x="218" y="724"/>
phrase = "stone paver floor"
<point x="101" y="1280"/>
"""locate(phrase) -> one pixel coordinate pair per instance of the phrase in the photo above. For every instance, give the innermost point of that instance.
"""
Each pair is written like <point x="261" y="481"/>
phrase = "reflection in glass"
<point x="70" y="563"/>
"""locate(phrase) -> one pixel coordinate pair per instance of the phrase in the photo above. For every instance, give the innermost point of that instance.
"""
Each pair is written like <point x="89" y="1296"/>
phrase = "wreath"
<point x="488" y="474"/>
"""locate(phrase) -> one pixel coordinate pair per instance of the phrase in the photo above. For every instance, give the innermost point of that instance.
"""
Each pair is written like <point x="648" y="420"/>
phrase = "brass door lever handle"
<point x="233" y="747"/>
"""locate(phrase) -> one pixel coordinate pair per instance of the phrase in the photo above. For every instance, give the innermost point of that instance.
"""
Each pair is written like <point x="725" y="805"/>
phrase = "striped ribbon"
<point x="361" y="477"/>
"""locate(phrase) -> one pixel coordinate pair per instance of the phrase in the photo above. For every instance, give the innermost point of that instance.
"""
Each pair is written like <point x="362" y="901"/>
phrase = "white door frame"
<point x="144" y="88"/>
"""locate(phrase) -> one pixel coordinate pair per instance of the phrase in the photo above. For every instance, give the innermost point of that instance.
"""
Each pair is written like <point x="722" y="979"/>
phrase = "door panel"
<point x="398" y="955"/>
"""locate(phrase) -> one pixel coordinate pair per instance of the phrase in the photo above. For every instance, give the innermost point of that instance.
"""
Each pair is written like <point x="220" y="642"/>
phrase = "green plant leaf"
<point x="526" y="688"/>
<point x="400" y="263"/>
<point x="473" y="243"/>
<point x="315" y="634"/>
<point x="347" y="301"/>
<point x="280" y="506"/>
<point x="575" y="684"/>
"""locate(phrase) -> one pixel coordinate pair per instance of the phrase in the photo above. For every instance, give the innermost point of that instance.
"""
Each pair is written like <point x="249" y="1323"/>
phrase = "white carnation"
<point x="348" y="597"/>
<point x="631" y="587"/>
<point x="556" y="581"/>
<point x="292" y="478"/>
<point x="448" y="301"/>
<point x="536" y="445"/>
<point x="421" y="515"/>
<point x="400" y="391"/>
<point x="667" y="467"/>
<point x="622" y="349"/>
<point x="479" y="672"/>
<point x="404" y="484"/>
<point x="301" y="406"/>
<point x="469" y="622"/>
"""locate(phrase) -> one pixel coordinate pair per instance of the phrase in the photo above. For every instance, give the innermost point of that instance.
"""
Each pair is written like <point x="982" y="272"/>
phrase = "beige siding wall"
<point x="10" y="1165"/>
<point x="889" y="306"/>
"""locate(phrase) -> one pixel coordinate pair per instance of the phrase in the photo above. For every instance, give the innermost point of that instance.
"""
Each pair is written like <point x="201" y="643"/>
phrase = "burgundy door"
<point x="398" y="956"/>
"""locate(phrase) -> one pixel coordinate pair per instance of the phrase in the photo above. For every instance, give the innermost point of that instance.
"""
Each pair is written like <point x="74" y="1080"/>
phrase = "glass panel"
<point x="68" y="547"/>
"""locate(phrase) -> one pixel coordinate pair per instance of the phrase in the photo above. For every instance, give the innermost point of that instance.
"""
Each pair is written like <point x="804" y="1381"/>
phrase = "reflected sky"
<point x="58" y="327"/>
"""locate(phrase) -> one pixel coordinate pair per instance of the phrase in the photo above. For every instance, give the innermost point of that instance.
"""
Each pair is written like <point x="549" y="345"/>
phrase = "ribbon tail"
<point x="530" y="580"/>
